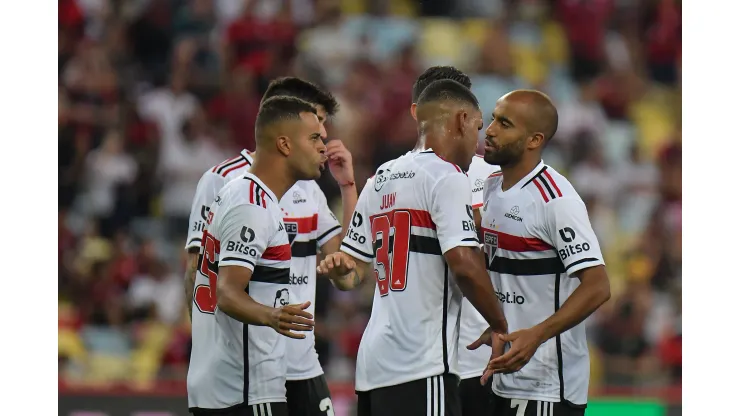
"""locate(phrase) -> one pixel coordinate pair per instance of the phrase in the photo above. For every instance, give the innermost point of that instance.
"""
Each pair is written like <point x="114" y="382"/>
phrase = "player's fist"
<point x="336" y="265"/>
<point x="290" y="318"/>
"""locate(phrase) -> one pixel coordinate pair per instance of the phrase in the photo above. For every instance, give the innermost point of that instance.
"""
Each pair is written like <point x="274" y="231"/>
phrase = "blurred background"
<point x="154" y="92"/>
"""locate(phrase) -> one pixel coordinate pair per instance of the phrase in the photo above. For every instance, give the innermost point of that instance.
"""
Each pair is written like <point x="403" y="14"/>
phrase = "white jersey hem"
<point x="305" y="376"/>
<point x="402" y="380"/>
<point x="470" y="374"/>
<point x="541" y="398"/>
<point x="268" y="400"/>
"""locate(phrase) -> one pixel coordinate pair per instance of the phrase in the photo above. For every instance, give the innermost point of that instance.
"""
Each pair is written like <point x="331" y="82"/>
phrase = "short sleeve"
<point x="328" y="225"/>
<point x="358" y="242"/>
<point x="477" y="176"/>
<point x="205" y="193"/>
<point x="245" y="232"/>
<point x="569" y="231"/>
<point x="452" y="212"/>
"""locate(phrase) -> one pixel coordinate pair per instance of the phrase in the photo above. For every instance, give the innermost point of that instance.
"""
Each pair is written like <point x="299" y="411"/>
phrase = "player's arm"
<point x="329" y="230"/>
<point x="236" y="268"/>
<point x="453" y="216"/>
<point x="340" y="166"/>
<point x="348" y="268"/>
<point x="205" y="193"/>
<point x="569" y="229"/>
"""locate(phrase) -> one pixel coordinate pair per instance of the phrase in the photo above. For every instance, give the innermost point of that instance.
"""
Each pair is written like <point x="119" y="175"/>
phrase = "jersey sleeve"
<point x="569" y="231"/>
<point x="328" y="225"/>
<point x="245" y="233"/>
<point x="358" y="242"/>
<point x="205" y="193"/>
<point x="477" y="176"/>
<point x="452" y="212"/>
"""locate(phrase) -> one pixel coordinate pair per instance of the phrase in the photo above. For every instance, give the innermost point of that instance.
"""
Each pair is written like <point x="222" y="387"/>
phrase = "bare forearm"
<point x="189" y="281"/>
<point x="347" y="282"/>
<point x="242" y="307"/>
<point x="579" y="306"/>
<point x="349" y="201"/>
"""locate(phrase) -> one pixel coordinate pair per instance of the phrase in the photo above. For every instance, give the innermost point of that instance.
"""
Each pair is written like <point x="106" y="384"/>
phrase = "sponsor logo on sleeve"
<point x="352" y="234"/>
<point x="568" y="235"/>
<point x="469" y="224"/>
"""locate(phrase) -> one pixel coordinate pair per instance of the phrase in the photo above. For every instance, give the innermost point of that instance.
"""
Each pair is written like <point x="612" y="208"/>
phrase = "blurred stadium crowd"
<point x="154" y="92"/>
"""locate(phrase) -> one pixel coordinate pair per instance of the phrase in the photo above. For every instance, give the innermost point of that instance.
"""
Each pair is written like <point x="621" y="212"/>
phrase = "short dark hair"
<point x="445" y="90"/>
<point x="307" y="91"/>
<point x="438" y="73"/>
<point x="280" y="108"/>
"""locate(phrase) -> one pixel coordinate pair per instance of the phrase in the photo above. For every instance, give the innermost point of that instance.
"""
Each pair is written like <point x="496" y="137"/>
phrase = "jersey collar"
<point x="247" y="155"/>
<point x="530" y="175"/>
<point x="262" y="184"/>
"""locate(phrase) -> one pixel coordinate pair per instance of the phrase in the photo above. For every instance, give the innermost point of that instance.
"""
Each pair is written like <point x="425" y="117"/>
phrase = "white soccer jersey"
<point x="231" y="363"/>
<point x="210" y="183"/>
<point x="309" y="223"/>
<point x="536" y="235"/>
<point x="472" y="324"/>
<point x="414" y="210"/>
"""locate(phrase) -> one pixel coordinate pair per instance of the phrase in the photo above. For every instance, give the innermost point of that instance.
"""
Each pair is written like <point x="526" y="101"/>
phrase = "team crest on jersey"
<point x="292" y="229"/>
<point x="282" y="298"/>
<point x="490" y="244"/>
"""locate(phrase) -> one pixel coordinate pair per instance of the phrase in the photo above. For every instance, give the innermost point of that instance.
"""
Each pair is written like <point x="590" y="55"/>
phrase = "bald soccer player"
<point x="545" y="261"/>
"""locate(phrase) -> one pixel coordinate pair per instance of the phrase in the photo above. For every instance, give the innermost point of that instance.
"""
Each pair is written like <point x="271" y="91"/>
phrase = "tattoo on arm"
<point x="349" y="281"/>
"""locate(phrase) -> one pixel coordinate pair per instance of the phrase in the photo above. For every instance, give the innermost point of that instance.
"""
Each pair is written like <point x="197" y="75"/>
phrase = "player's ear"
<point x="413" y="110"/>
<point x="536" y="140"/>
<point x="461" y="120"/>
<point x="283" y="145"/>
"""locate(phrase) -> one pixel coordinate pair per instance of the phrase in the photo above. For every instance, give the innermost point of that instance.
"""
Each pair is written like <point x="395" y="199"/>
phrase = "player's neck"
<point x="514" y="173"/>
<point x="278" y="180"/>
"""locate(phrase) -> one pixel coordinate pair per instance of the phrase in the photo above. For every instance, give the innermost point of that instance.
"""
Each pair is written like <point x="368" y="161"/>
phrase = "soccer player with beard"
<point x="544" y="259"/>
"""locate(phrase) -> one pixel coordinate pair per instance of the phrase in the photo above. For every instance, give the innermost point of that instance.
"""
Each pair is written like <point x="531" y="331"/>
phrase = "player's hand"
<point x="485" y="339"/>
<point x="336" y="265"/>
<point x="290" y="318"/>
<point x="524" y="343"/>
<point x="340" y="162"/>
<point x="497" y="350"/>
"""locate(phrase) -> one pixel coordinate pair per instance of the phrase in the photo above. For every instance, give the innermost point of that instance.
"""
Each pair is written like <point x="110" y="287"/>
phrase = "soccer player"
<point x="545" y="261"/>
<point x="476" y="398"/>
<point x="244" y="271"/>
<point x="413" y="231"/>
<point x="309" y="223"/>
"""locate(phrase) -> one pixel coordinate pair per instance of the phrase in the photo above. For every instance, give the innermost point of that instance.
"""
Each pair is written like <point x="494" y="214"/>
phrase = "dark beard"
<point x="505" y="156"/>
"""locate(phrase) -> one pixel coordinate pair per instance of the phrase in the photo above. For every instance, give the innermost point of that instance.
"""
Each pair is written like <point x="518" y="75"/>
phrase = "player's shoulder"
<point x="435" y="166"/>
<point x="232" y="167"/>
<point x="248" y="191"/>
<point x="549" y="185"/>
<point x="479" y="169"/>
